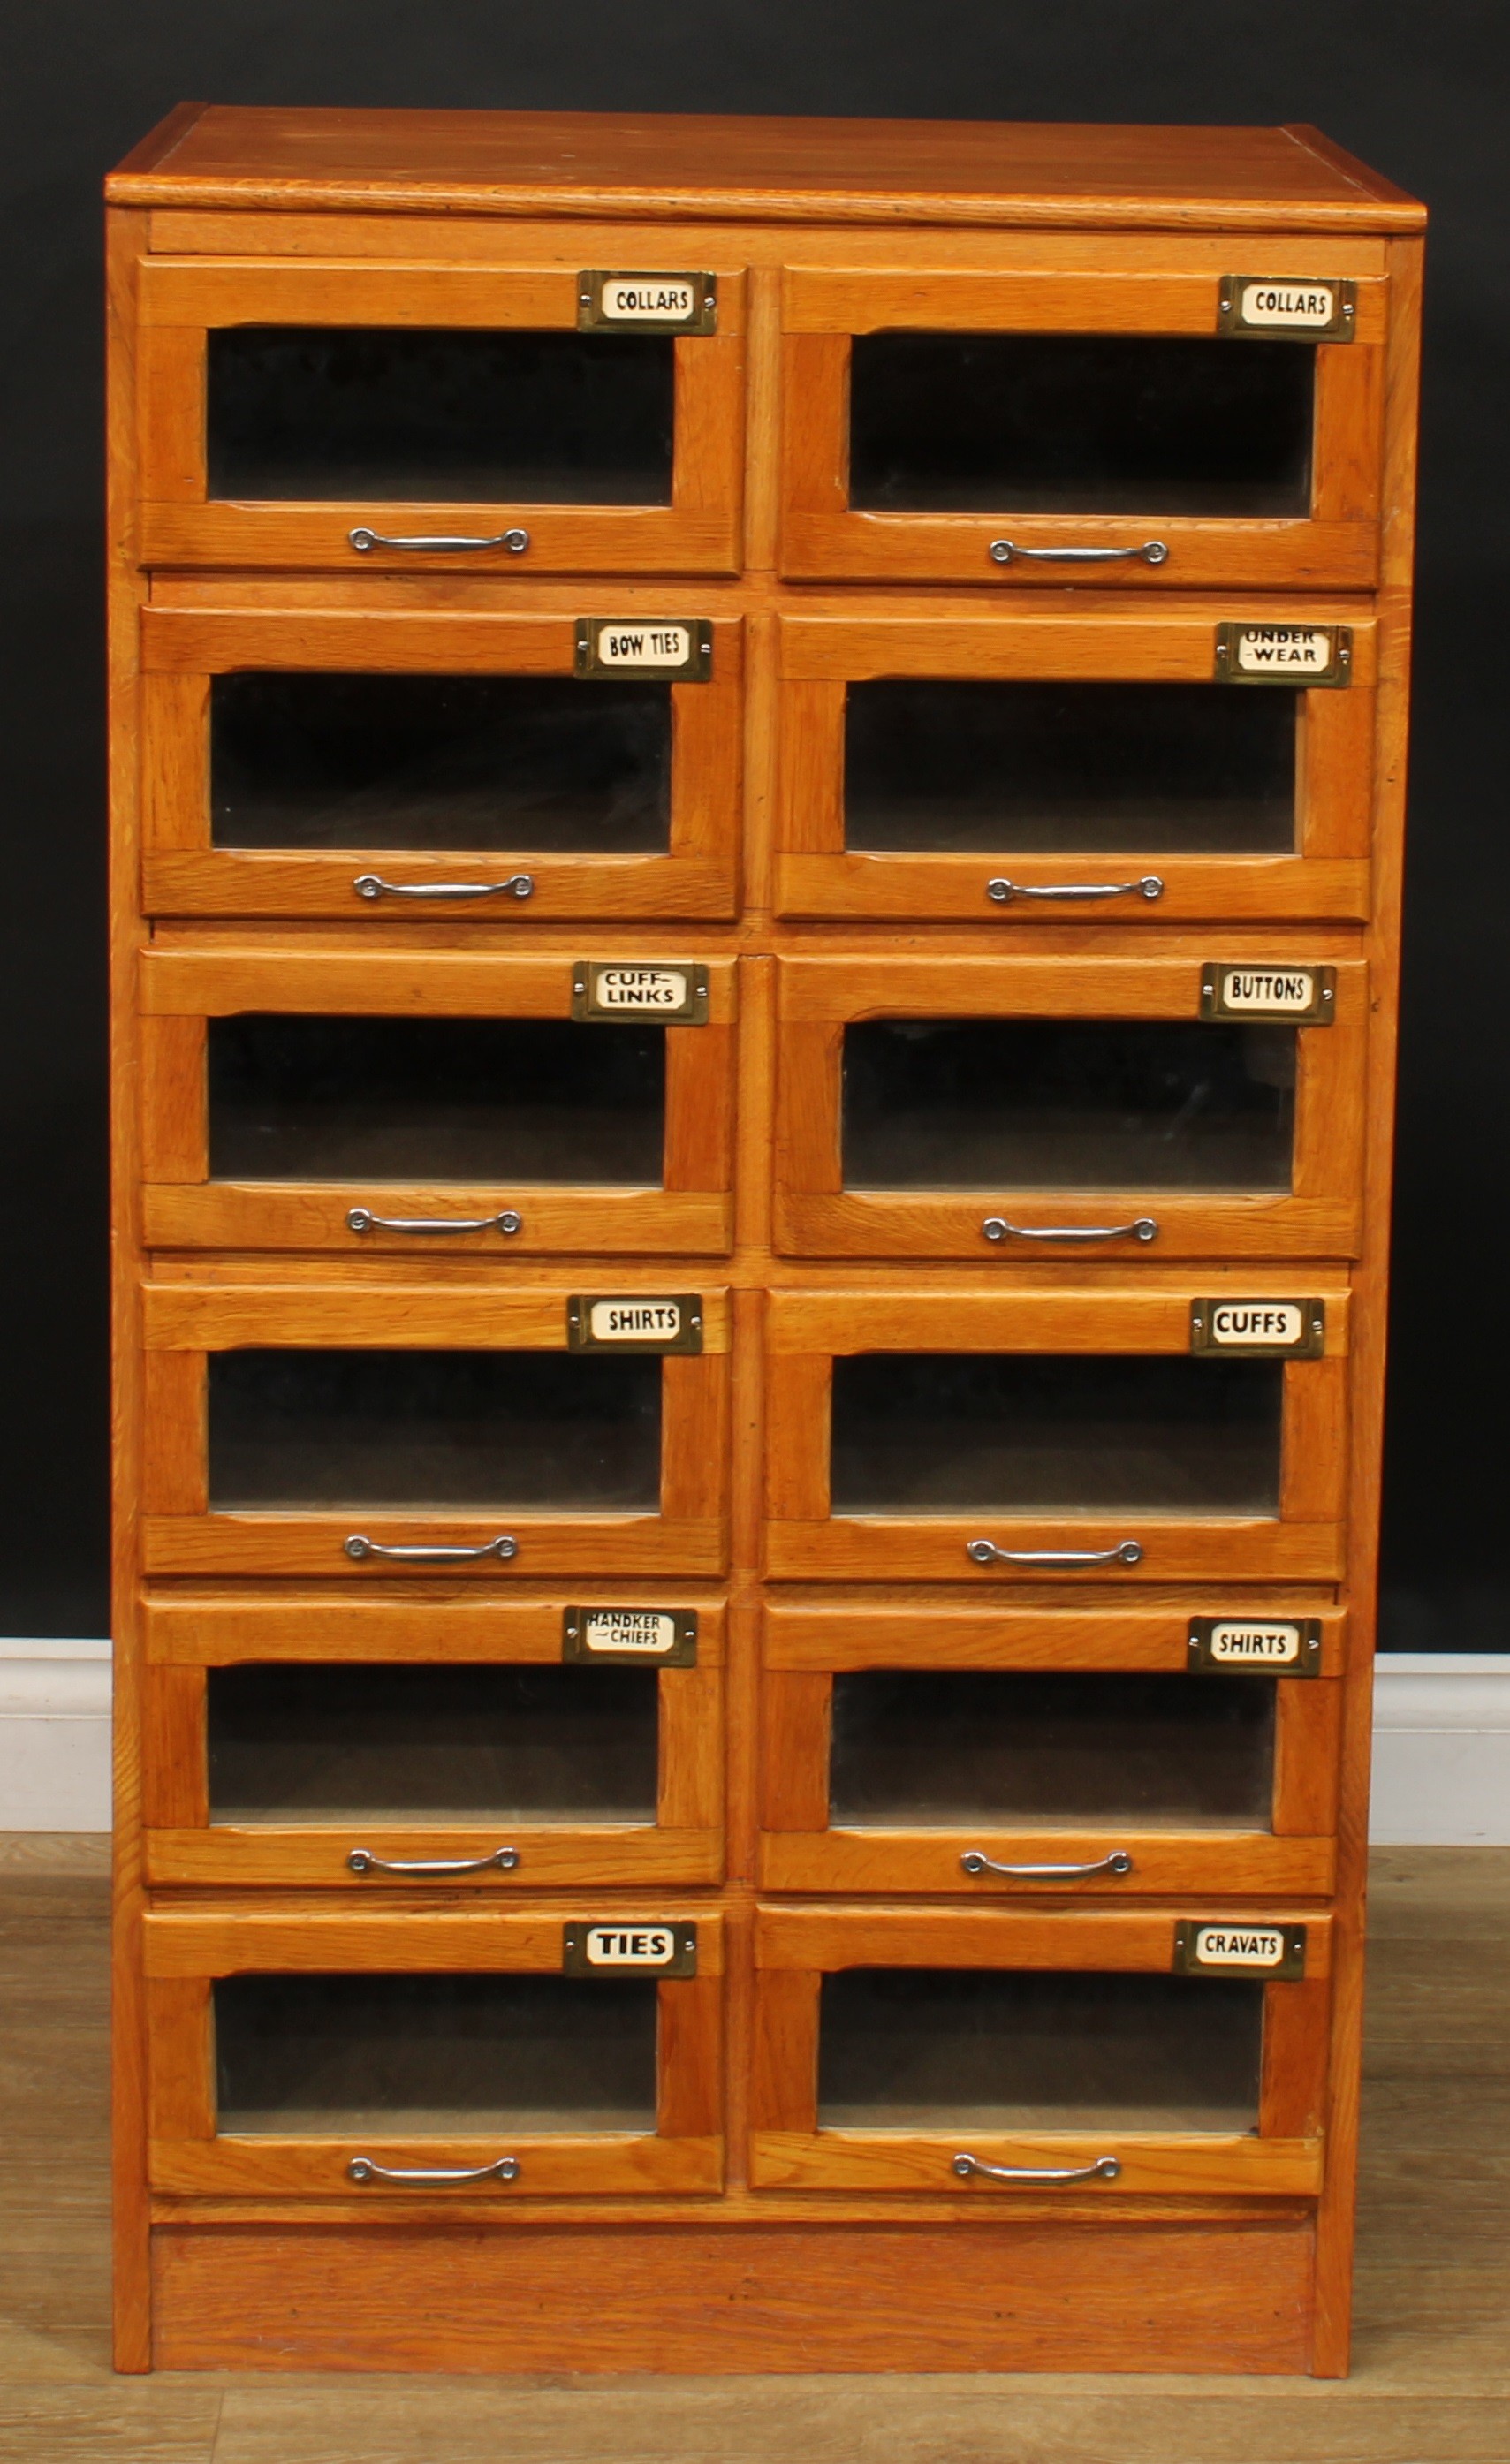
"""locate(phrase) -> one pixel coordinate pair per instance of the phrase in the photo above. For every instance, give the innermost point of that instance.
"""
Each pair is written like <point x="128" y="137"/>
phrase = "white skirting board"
<point x="1441" y="1744"/>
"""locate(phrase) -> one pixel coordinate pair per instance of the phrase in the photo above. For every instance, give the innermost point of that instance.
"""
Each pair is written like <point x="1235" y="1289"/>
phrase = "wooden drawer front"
<point x="1208" y="2097"/>
<point x="900" y="461"/>
<point x="275" y="449"/>
<point x="904" y="1081"/>
<point x="275" y="1728"/>
<point x="257" y="1396"/>
<point x="921" y="1750"/>
<point x="1028" y="767"/>
<point x="863" y="1463"/>
<point x="258" y="2022"/>
<point x="457" y="760"/>
<point x="309" y="1098"/>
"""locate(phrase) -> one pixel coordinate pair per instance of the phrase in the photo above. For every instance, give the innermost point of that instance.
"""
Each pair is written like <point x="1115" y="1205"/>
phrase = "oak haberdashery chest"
<point x="758" y="778"/>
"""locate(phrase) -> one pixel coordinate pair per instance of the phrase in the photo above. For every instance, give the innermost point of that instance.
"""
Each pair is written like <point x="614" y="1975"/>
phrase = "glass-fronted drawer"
<point x="1083" y="2054"/>
<point x="306" y="1098"/>
<point x="1161" y="1435"/>
<point x="433" y="1430"/>
<point x="1019" y="1107"/>
<point x="477" y="766"/>
<point x="1114" y="764"/>
<point x="471" y="418"/>
<point x="414" y="2058"/>
<point x="374" y="1745"/>
<point x="1049" y="1752"/>
<point x="1069" y="423"/>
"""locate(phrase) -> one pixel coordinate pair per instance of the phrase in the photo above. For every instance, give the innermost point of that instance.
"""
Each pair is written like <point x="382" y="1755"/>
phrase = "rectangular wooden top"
<point x="1026" y="173"/>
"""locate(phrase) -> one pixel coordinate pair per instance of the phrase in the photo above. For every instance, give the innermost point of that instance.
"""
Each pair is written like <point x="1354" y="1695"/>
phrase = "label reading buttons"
<point x="1300" y="996"/>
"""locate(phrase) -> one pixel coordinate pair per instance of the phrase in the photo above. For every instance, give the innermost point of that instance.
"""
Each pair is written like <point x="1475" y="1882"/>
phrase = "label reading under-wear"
<point x="1283" y="654"/>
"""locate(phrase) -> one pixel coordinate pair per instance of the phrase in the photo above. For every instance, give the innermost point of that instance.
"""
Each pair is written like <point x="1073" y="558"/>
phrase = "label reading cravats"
<point x="604" y="990"/>
<point x="1311" y="311"/>
<point x="674" y="303"/>
<point x="1238" y="1949"/>
<point x="635" y="1322"/>
<point x="618" y="1946"/>
<point x="1284" y="1646"/>
<point x="1284" y="654"/>
<point x="629" y="1637"/>
<point x="1262" y="1328"/>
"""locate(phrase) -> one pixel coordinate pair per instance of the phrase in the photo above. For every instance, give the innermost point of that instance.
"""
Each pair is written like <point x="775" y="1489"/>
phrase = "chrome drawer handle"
<point x="372" y="885"/>
<point x="1005" y="551"/>
<point x="1104" y="2169"/>
<point x="975" y="1861"/>
<point x="986" y="1552"/>
<point x="367" y="2168"/>
<point x="360" y="1545"/>
<point x="997" y="1228"/>
<point x="1148" y="886"/>
<point x="361" y="1219"/>
<point x="364" y="540"/>
<point x="363" y="1861"/>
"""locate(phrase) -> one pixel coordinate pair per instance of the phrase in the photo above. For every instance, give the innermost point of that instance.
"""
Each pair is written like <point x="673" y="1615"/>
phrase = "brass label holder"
<point x="1261" y="1328"/>
<point x="1283" y="654"/>
<point x="629" y="1637"/>
<point x="1254" y="1646"/>
<point x="610" y="991"/>
<point x="628" y="1947"/>
<point x="1239" y="1947"/>
<point x="647" y="303"/>
<point x="635" y="1322"/>
<point x="677" y="649"/>
<point x="1264" y="307"/>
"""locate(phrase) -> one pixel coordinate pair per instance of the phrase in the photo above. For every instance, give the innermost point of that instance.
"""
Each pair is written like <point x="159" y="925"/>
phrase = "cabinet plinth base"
<point x="963" y="2297"/>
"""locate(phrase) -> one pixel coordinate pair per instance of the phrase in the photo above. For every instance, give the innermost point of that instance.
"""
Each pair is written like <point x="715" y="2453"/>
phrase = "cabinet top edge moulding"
<point x="1033" y="174"/>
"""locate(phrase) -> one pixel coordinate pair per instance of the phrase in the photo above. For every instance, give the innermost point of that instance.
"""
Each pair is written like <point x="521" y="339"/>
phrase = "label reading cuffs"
<point x="631" y="1638"/>
<point x="1306" y="996"/>
<point x="678" y="647"/>
<point x="635" y="1322"/>
<point x="1261" y="1328"/>
<point x="1263" y="303"/>
<point x="1284" y="654"/>
<point x="670" y="303"/>
<point x="602" y="989"/>
<point x="627" y="1946"/>
<point x="1238" y="1947"/>
<point x="1288" y="1646"/>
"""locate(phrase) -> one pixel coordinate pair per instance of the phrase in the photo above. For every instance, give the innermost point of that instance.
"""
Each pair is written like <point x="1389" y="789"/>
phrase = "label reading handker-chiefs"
<point x="626" y="1638"/>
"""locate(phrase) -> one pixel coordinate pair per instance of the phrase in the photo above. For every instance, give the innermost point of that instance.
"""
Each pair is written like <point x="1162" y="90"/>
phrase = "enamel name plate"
<point x="679" y="649"/>
<point x="1259" y="1330"/>
<point x="1304" y="996"/>
<point x="631" y="1638"/>
<point x="628" y="1947"/>
<point x="662" y="304"/>
<point x="1240" y="1948"/>
<point x="1281" y="1646"/>
<point x="1308" y="312"/>
<point x="1284" y="654"/>
<point x="635" y="1322"/>
<point x="604" y="989"/>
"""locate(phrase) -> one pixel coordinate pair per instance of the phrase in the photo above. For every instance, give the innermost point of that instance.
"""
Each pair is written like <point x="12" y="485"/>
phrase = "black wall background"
<point x="1420" y="92"/>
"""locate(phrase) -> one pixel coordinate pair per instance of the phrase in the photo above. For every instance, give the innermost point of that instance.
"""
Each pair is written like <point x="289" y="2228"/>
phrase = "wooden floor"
<point x="1431" y="2368"/>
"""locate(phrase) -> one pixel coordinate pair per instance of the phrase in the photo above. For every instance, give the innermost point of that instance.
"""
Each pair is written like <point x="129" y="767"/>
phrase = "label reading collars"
<point x="1304" y="996"/>
<point x="635" y="1322"/>
<point x="1238" y="1947"/>
<point x="678" y="647"/>
<point x="631" y="1638"/>
<point x="1265" y="305"/>
<point x="1259" y="1330"/>
<point x="1284" y="654"/>
<point x="1276" y="1646"/>
<point x="665" y="303"/>
<point x="628" y="1947"/>
<point x="605" y="990"/>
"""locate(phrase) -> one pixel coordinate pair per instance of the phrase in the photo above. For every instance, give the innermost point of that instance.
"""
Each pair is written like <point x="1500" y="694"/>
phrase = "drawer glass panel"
<point x="935" y="2049"/>
<point x="945" y="1746"/>
<point x="1080" y="423"/>
<point x="304" y="1742"/>
<point x="1067" y="1104"/>
<point x="933" y="1433"/>
<point x="473" y="1099"/>
<point x="434" y="1431"/>
<point x="948" y="768"/>
<point x="437" y="414"/>
<point x="421" y="761"/>
<point x="315" y="2055"/>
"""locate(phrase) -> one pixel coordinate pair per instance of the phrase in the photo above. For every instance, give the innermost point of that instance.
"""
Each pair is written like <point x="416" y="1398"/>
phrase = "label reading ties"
<point x="1267" y="305"/>
<point x="639" y="646"/>
<point x="1262" y="1329"/>
<point x="1284" y="654"/>
<point x="635" y="1322"/>
<point x="668" y="303"/>
<point x="1238" y="1947"/>
<point x="631" y="1638"/>
<point x="1284" y="1646"/>
<point x="605" y="991"/>
<point x="629" y="1945"/>
<point x="1305" y="995"/>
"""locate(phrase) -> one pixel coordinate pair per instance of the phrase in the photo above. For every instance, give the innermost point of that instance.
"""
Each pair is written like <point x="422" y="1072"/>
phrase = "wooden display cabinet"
<point x="757" y="795"/>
